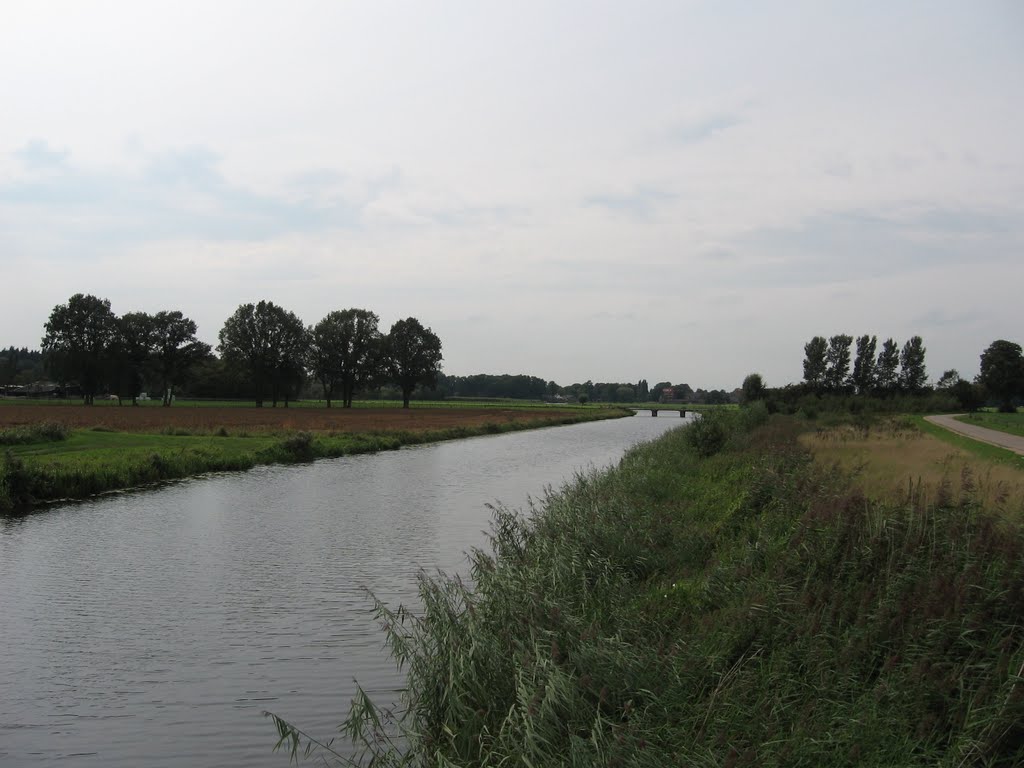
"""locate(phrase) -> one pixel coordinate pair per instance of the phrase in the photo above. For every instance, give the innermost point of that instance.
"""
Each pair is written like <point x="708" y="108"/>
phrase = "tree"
<point x="133" y="348"/>
<point x="268" y="342"/>
<point x="814" y="362"/>
<point x="837" y="359"/>
<point x="413" y="356"/>
<point x="78" y="339"/>
<point x="345" y="352"/>
<point x="948" y="379"/>
<point x="864" y="365"/>
<point x="1002" y="373"/>
<point x="360" y="345"/>
<point x="175" y="350"/>
<point x="912" y="371"/>
<point x="625" y="394"/>
<point x="753" y="388"/>
<point x="322" y="356"/>
<point x="969" y="397"/>
<point x="886" y="370"/>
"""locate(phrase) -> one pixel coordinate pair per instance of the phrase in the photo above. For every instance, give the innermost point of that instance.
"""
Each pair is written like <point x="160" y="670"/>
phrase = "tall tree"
<point x="814" y="362"/>
<point x="864" y="364"/>
<point x="753" y="388"/>
<point x="361" y="349"/>
<point x="1002" y="373"/>
<point x="837" y="359"/>
<point x="322" y="358"/>
<point x="78" y="339"/>
<point x="912" y="371"/>
<point x="175" y="350"/>
<point x="413" y="356"/>
<point x="642" y="390"/>
<point x="288" y="344"/>
<point x="268" y="343"/>
<point x="133" y="348"/>
<point x="887" y="368"/>
<point x="345" y="352"/>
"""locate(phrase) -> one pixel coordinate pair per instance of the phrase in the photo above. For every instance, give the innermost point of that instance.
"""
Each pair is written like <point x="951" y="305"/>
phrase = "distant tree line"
<point x="265" y="353"/>
<point x="484" y="385"/>
<point x="827" y="366"/>
<point x="20" y="366"/>
<point x="893" y="379"/>
<point x="641" y="392"/>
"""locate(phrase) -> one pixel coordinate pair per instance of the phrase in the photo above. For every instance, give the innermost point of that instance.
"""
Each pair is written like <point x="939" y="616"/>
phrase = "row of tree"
<point x="86" y="343"/>
<point x="895" y="371"/>
<point x="827" y="366"/>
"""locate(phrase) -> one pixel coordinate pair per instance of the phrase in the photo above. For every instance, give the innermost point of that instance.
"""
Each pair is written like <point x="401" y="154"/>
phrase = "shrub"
<point x="15" y="482"/>
<point x="299" y="447"/>
<point x="708" y="434"/>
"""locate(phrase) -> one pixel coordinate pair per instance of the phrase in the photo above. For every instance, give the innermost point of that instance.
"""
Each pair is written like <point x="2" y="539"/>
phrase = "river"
<point x="152" y="628"/>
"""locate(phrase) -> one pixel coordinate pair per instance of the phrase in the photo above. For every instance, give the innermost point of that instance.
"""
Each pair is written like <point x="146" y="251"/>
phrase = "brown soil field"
<point x="262" y="420"/>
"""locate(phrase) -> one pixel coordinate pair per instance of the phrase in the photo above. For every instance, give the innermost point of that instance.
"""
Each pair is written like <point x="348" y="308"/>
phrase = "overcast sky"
<point x="682" y="191"/>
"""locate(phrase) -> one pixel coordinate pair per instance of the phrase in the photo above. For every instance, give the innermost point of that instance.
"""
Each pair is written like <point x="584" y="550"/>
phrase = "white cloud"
<point x="585" y="190"/>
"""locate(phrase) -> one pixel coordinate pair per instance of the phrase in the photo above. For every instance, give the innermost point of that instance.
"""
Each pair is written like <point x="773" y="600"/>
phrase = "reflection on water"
<point x="152" y="628"/>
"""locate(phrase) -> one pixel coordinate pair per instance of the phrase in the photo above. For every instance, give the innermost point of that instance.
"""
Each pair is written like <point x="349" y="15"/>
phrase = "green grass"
<point x="87" y="462"/>
<point x="747" y="608"/>
<point x="1011" y="423"/>
<point x="983" y="450"/>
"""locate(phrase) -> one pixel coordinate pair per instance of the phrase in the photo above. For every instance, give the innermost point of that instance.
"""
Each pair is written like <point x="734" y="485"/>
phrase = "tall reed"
<point x="745" y="608"/>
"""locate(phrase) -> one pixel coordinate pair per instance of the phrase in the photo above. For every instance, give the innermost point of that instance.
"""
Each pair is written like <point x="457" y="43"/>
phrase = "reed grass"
<point x="747" y="607"/>
<point x="45" y="432"/>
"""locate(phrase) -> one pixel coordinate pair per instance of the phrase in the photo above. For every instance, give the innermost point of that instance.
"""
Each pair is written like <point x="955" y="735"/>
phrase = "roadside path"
<point x="1013" y="443"/>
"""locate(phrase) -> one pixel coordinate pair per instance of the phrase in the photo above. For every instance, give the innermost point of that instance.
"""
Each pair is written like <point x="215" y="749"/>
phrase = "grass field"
<point x="1011" y="423"/>
<point x="907" y="455"/>
<point x="56" y="451"/>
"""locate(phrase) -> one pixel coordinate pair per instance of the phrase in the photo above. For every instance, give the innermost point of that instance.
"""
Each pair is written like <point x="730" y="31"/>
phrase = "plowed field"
<point x="253" y="420"/>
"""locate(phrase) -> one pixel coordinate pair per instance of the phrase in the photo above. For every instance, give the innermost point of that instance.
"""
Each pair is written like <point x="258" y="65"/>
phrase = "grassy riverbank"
<point x="721" y="599"/>
<point x="47" y="461"/>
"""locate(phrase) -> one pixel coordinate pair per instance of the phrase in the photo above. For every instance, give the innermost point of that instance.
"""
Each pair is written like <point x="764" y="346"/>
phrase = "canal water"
<point x="152" y="628"/>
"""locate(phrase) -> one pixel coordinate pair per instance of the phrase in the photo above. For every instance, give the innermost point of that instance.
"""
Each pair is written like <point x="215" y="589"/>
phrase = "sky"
<point x="680" y="191"/>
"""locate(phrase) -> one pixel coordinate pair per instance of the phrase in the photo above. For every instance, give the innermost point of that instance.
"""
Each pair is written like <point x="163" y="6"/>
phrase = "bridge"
<point x="654" y="411"/>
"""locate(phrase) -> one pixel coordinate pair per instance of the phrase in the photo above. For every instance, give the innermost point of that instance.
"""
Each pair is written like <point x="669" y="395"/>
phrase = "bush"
<point x="15" y="482"/>
<point x="299" y="446"/>
<point x="708" y="434"/>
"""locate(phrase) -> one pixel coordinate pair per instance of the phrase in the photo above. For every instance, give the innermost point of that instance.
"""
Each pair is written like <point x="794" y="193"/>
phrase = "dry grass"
<point x="893" y="458"/>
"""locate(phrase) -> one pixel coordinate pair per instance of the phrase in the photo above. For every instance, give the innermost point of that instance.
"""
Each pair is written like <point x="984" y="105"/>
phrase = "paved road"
<point x="1013" y="443"/>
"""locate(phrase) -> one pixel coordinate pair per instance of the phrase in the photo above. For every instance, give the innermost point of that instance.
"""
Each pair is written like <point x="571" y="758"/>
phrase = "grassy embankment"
<point x="48" y="461"/>
<point x="720" y="599"/>
<point x="1012" y="423"/>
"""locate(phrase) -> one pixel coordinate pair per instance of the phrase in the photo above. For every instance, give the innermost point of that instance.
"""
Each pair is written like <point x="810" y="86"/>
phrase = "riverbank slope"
<point x="68" y="452"/>
<point x="721" y="599"/>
